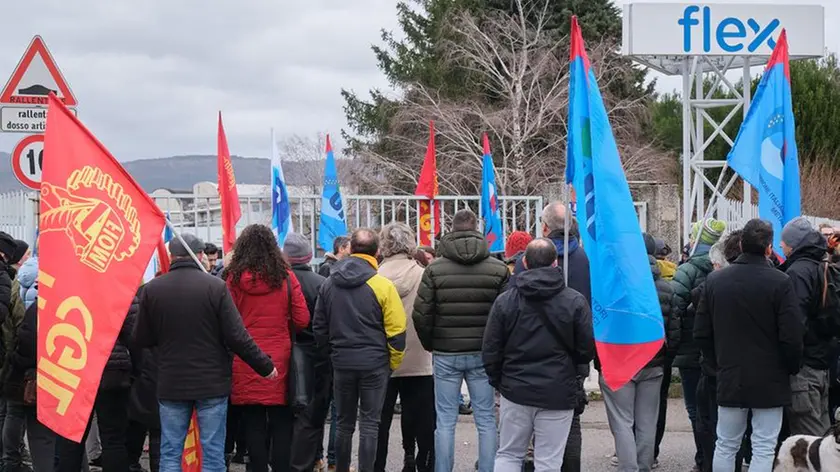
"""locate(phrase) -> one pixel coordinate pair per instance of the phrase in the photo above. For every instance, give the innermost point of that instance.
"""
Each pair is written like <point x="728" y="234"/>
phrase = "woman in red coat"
<point x="260" y="280"/>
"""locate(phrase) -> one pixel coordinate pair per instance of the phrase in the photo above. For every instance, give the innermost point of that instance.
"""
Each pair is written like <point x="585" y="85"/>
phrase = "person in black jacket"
<point x="539" y="325"/>
<point x="553" y="224"/>
<point x="456" y="293"/>
<point x="308" y="435"/>
<point x="8" y="246"/>
<point x="749" y="316"/>
<point x="110" y="406"/>
<point x="190" y="317"/>
<point x="805" y="249"/>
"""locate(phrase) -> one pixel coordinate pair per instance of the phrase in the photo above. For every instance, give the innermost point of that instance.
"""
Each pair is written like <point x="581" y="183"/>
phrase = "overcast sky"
<point x="150" y="76"/>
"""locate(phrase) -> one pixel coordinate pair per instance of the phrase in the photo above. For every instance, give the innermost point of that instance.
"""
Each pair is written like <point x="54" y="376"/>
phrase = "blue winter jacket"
<point x="28" y="279"/>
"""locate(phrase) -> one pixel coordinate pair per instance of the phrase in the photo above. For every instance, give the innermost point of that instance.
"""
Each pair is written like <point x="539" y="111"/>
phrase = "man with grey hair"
<point x="539" y="325"/>
<point x="412" y="381"/>
<point x="553" y="223"/>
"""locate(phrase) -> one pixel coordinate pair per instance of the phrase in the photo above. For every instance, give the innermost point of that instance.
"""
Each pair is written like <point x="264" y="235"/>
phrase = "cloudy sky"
<point x="150" y="76"/>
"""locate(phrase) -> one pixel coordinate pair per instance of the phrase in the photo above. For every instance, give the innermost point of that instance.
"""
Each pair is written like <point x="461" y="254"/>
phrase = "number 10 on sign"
<point x="28" y="159"/>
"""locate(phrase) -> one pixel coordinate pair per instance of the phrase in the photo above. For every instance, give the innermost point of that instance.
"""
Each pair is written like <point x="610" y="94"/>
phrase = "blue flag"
<point x="626" y="316"/>
<point x="765" y="152"/>
<point x="493" y="231"/>
<point x="281" y="208"/>
<point x="333" y="224"/>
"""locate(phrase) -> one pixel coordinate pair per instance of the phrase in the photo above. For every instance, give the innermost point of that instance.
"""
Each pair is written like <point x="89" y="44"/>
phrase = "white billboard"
<point x="718" y="29"/>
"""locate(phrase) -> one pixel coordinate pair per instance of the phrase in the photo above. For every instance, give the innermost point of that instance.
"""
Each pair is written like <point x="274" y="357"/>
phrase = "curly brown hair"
<point x="256" y="251"/>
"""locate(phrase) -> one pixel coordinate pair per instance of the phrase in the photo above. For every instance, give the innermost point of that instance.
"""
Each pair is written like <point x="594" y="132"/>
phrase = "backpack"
<point x="829" y="310"/>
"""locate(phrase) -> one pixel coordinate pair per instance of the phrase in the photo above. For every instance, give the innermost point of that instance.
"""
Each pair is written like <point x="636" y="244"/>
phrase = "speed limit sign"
<point x="28" y="159"/>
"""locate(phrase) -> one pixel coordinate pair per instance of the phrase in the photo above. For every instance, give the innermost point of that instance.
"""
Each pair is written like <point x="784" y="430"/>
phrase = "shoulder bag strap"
<point x="292" y="335"/>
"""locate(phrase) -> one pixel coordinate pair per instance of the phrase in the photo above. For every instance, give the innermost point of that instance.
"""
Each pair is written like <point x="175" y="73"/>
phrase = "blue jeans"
<point x="333" y="431"/>
<point x="731" y="426"/>
<point x="690" y="379"/>
<point x="212" y="425"/>
<point x="450" y="372"/>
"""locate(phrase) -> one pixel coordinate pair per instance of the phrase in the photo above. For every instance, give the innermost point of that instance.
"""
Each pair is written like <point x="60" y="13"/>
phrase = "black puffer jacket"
<point x="310" y="284"/>
<point x="6" y="276"/>
<point x="117" y="373"/>
<point x="456" y="294"/>
<point x="804" y="269"/>
<point x="669" y="316"/>
<point x="519" y="351"/>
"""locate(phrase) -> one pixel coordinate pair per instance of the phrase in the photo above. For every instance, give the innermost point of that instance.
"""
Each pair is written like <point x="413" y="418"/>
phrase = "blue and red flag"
<point x="764" y="153"/>
<point x="493" y="231"/>
<point x="626" y="316"/>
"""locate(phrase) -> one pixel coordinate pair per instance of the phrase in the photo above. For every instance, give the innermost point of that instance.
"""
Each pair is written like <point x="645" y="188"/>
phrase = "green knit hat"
<point x="712" y="231"/>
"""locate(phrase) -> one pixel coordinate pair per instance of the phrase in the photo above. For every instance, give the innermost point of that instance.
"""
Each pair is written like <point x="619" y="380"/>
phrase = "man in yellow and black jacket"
<point x="360" y="316"/>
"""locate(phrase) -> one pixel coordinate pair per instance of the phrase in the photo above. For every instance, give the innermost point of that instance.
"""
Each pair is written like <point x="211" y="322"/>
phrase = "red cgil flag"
<point x="98" y="229"/>
<point x="427" y="187"/>
<point x="163" y="257"/>
<point x="229" y="196"/>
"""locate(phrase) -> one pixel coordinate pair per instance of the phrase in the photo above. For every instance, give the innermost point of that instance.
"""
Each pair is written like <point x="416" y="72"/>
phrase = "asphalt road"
<point x="676" y="455"/>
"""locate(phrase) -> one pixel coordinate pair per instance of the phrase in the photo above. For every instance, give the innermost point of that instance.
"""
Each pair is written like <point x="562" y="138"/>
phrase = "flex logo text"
<point x="730" y="34"/>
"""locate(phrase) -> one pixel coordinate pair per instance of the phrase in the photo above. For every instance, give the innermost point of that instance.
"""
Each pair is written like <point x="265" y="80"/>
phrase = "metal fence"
<point x="18" y="212"/>
<point x="201" y="215"/>
<point x="732" y="211"/>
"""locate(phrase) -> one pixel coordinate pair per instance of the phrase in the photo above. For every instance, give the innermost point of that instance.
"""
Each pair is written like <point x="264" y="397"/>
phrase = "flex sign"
<point x="730" y="34"/>
<point x="678" y="29"/>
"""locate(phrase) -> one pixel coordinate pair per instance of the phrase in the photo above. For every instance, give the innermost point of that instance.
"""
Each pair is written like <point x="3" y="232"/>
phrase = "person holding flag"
<point x="191" y="318"/>
<point x="281" y="207"/>
<point x="627" y="317"/>
<point x="427" y="186"/>
<point x="493" y="230"/>
<point x="333" y="223"/>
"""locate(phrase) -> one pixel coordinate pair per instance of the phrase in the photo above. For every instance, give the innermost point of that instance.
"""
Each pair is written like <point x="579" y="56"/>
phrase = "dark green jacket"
<point x="456" y="294"/>
<point x="688" y="277"/>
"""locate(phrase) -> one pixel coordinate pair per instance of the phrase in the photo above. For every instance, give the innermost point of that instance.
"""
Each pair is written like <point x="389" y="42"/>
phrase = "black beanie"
<point x="8" y="245"/>
<point x="20" y="251"/>
<point x="650" y="244"/>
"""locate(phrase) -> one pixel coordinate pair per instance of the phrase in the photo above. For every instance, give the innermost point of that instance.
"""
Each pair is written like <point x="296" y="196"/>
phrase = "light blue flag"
<point x="333" y="223"/>
<point x="765" y="153"/>
<point x="493" y="231"/>
<point x="281" y="208"/>
<point x="626" y="316"/>
<point x="167" y="231"/>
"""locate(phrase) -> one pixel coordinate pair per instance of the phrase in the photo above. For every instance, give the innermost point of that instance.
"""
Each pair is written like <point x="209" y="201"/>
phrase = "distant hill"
<point x="181" y="172"/>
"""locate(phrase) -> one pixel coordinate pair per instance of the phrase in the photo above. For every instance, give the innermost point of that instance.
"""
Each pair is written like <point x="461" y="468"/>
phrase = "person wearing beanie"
<point x="308" y="435"/>
<point x="515" y="247"/>
<point x="804" y="249"/>
<point x="690" y="275"/>
<point x="712" y="230"/>
<point x="666" y="268"/>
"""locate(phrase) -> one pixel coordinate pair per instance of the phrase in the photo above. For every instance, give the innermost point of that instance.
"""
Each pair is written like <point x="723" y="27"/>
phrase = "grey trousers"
<point x="517" y="424"/>
<point x="808" y="413"/>
<point x="637" y="403"/>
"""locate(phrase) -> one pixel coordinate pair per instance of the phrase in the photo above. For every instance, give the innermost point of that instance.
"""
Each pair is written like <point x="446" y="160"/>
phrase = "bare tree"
<point x="521" y="75"/>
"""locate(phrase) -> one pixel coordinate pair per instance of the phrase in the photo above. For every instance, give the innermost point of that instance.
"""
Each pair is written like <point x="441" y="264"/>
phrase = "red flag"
<point x="427" y="186"/>
<point x="191" y="460"/>
<point x="229" y="196"/>
<point x="98" y="230"/>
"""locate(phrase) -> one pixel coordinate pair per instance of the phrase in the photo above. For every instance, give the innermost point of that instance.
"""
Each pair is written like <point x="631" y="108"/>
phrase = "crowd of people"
<point x="267" y="352"/>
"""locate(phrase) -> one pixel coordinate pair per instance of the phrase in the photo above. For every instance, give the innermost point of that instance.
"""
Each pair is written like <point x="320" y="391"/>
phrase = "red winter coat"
<point x="265" y="313"/>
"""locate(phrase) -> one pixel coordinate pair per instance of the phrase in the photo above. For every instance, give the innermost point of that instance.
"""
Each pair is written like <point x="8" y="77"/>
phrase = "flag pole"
<point x="566" y="235"/>
<point x="184" y="243"/>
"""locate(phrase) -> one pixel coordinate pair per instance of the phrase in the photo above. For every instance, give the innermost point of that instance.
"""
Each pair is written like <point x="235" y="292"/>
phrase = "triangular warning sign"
<point x="35" y="77"/>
